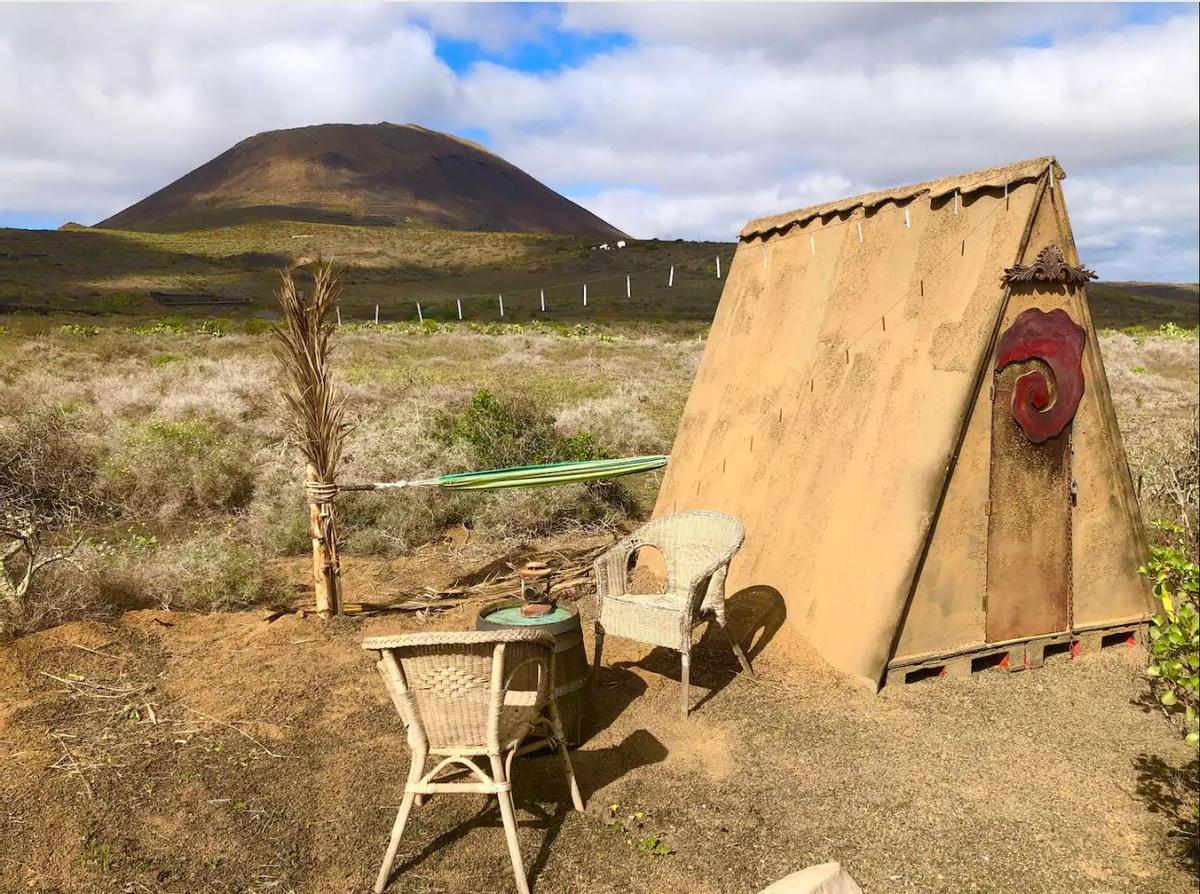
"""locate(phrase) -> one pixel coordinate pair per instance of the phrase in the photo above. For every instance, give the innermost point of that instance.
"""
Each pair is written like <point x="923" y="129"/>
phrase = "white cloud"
<point x="713" y="115"/>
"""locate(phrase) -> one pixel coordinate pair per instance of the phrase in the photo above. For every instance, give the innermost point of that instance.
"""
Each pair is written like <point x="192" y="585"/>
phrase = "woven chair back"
<point x="691" y="541"/>
<point x="469" y="691"/>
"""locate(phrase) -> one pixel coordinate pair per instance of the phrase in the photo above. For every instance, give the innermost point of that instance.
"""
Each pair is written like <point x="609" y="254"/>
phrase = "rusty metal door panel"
<point x="1038" y="385"/>
<point x="1029" y="531"/>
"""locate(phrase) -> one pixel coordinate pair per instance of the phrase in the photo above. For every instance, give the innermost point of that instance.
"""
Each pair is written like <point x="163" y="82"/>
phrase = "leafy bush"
<point x="208" y="570"/>
<point x="1140" y="333"/>
<point x="497" y="432"/>
<point x="179" y="326"/>
<point x="1175" y="630"/>
<point x="218" y="571"/>
<point x="513" y="431"/>
<point x="178" y="468"/>
<point x="79" y="330"/>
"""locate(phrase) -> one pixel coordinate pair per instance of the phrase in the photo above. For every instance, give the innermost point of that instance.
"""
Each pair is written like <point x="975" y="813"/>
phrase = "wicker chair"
<point x="697" y="547"/>
<point x="468" y="695"/>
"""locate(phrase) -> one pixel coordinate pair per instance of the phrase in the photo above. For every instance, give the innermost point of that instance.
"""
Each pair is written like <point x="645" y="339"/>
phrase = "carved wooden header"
<point x="1050" y="266"/>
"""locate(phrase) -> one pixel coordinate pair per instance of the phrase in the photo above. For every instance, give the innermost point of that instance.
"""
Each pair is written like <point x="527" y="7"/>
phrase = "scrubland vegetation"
<point x="184" y="490"/>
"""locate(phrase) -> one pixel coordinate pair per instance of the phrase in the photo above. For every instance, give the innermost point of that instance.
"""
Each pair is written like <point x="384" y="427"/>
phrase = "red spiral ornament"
<point x="1044" y="408"/>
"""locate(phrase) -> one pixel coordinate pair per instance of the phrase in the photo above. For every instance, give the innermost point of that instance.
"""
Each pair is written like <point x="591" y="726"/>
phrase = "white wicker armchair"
<point x="697" y="547"/>
<point x="467" y="695"/>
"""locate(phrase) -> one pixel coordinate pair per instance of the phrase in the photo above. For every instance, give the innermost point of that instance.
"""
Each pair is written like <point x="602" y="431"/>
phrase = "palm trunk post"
<point x="316" y="424"/>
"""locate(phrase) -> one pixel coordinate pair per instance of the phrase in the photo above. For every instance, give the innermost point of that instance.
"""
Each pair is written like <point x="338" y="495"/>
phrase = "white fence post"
<point x="500" y="298"/>
<point x="420" y="316"/>
<point x="543" y="297"/>
<point x="671" y="277"/>
<point x="458" y="303"/>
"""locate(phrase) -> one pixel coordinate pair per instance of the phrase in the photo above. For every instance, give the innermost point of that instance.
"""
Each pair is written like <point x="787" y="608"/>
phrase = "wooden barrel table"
<point x="571" y="668"/>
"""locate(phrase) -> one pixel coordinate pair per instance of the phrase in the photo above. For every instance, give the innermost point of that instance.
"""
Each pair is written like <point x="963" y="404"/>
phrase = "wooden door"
<point x="1038" y="382"/>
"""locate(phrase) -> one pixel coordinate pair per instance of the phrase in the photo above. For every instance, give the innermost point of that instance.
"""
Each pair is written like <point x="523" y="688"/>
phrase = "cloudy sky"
<point x="667" y="120"/>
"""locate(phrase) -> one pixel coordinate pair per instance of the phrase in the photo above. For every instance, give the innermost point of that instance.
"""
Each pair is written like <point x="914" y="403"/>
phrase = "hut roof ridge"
<point x="963" y="183"/>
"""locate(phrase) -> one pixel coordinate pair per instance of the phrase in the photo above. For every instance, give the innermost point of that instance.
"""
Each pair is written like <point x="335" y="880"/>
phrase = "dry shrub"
<point x="176" y="469"/>
<point x="64" y="591"/>
<point x="47" y="489"/>
<point x="397" y="445"/>
<point x="1163" y="459"/>
<point x="47" y="467"/>
<point x="212" y="570"/>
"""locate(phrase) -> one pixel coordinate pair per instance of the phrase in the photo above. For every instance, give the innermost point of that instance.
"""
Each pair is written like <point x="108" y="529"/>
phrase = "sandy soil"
<point x="231" y="753"/>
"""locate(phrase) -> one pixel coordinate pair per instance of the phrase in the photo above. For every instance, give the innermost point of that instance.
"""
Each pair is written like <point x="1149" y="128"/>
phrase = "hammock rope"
<point x="544" y="475"/>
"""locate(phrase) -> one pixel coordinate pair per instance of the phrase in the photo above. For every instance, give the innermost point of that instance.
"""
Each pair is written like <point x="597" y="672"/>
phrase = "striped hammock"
<point x="545" y="475"/>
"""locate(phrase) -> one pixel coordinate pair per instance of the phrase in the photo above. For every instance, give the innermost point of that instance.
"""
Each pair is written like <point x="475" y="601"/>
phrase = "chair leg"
<point x="561" y="736"/>
<point x="509" y="815"/>
<point x="737" y="650"/>
<point x="687" y="664"/>
<point x="415" y="770"/>
<point x="599" y="652"/>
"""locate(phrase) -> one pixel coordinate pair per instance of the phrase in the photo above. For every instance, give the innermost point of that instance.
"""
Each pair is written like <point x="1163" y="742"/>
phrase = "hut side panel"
<point x="834" y="462"/>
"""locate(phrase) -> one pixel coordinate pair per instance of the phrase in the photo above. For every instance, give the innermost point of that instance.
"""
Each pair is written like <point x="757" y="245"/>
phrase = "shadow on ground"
<point x="754" y="615"/>
<point x="539" y="787"/>
<point x="1171" y="790"/>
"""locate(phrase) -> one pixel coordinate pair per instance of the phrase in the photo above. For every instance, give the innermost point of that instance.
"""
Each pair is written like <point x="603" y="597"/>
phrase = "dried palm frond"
<point x="302" y="345"/>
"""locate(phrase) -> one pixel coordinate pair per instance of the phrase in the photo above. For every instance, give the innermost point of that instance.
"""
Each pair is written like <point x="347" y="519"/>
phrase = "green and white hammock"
<point x="545" y="475"/>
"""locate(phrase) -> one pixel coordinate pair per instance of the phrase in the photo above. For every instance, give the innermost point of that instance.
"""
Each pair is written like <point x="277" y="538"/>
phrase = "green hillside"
<point x="93" y="271"/>
<point x="99" y="271"/>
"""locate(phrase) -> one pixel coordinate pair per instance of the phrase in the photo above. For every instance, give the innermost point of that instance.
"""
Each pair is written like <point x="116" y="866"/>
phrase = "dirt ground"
<point x="169" y="752"/>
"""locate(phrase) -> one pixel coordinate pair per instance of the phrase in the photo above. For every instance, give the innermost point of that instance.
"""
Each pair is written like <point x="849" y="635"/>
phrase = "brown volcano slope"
<point x="362" y="173"/>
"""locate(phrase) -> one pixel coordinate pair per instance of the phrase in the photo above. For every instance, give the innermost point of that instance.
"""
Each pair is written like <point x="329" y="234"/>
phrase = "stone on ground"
<point x="828" y="878"/>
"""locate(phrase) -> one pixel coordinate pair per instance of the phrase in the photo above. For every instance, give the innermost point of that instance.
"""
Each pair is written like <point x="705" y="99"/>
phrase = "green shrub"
<point x="1175" y="630"/>
<point x="212" y="327"/>
<point x="215" y="328"/>
<point x="513" y="431"/>
<point x="79" y="330"/>
<point x="1139" y="332"/>
<point x="256" y="326"/>
<point x="164" y="359"/>
<point x="178" y="468"/>
<point x="496" y="432"/>
<point x="166" y="326"/>
<point x="219" y="571"/>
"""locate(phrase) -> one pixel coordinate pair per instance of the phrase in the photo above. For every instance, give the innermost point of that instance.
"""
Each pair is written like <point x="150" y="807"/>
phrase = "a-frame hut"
<point x="903" y="399"/>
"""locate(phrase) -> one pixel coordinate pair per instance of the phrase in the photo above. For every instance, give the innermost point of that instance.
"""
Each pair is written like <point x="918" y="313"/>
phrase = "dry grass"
<point x="189" y="434"/>
<point x="1154" y="384"/>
